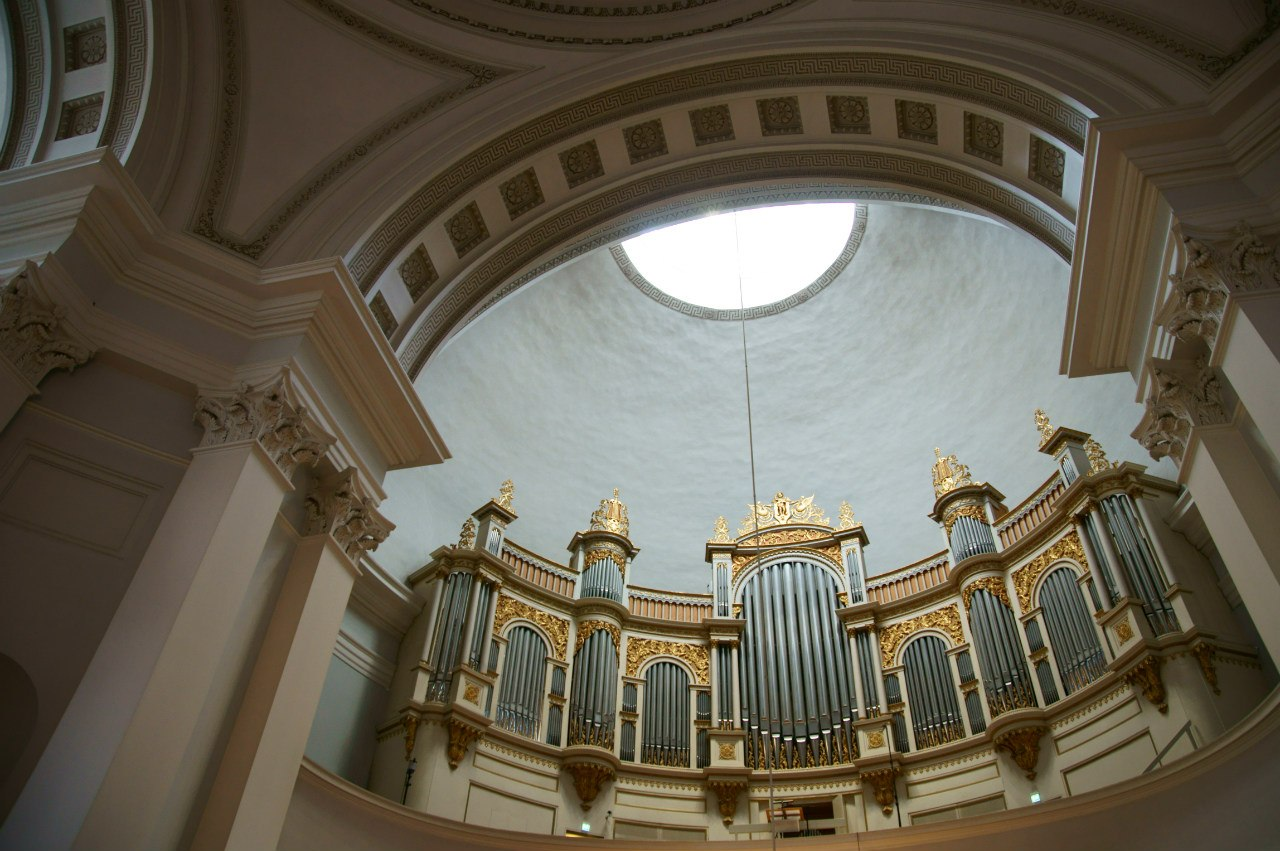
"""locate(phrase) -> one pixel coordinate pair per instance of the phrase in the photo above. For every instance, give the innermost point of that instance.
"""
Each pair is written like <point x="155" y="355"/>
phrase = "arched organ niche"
<point x="594" y="692"/>
<point x="1005" y="678"/>
<point x="523" y="683"/>
<point x="796" y="675"/>
<point x="1072" y="635"/>
<point x="665" y="721"/>
<point x="931" y="693"/>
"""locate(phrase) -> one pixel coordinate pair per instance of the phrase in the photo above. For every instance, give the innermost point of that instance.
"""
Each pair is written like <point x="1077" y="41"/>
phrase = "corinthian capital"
<point x="268" y="415"/>
<point x="1210" y="274"/>
<point x="32" y="335"/>
<point x="336" y="507"/>
<point x="1183" y="395"/>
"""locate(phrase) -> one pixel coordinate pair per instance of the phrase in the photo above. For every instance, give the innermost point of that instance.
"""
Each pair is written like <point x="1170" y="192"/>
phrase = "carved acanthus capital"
<point x="1210" y="274"/>
<point x="884" y="782"/>
<point x="269" y="415"/>
<point x="460" y="738"/>
<point x="336" y="507"/>
<point x="1145" y="676"/>
<point x="1183" y="395"/>
<point x="32" y="336"/>
<point x="727" y="792"/>
<point x="1024" y="746"/>
<point x="588" y="779"/>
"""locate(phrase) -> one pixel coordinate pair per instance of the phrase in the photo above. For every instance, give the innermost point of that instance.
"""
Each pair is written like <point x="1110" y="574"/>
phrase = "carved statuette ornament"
<point x="269" y="415"/>
<point x="782" y="512"/>
<point x="721" y="533"/>
<point x="336" y="507"/>
<point x="1042" y="423"/>
<point x="611" y="516"/>
<point x="846" y="520"/>
<point x="460" y="738"/>
<point x="949" y="474"/>
<point x="1024" y="746"/>
<point x="506" y="493"/>
<point x="32" y="335"/>
<point x="1145" y="676"/>
<point x="467" y="538"/>
<point x="588" y="779"/>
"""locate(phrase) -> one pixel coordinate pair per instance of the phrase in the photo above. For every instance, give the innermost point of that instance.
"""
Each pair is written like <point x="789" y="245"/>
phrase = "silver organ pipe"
<point x="485" y="592"/>
<point x="1071" y="634"/>
<point x="602" y="578"/>
<point x="970" y="537"/>
<point x="448" y="639"/>
<point x="802" y="713"/>
<point x="1140" y="565"/>
<point x="1004" y="671"/>
<point x="1091" y="533"/>
<point x="594" y="691"/>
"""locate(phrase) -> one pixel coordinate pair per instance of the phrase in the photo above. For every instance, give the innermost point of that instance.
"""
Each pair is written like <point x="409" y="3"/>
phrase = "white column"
<point x="1240" y="509"/>
<point x="1248" y="351"/>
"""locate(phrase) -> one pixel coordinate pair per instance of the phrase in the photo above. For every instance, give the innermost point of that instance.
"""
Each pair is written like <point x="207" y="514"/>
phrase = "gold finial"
<point x="1042" y="423"/>
<point x="721" y="535"/>
<point x="611" y="516"/>
<point x="1097" y="458"/>
<point x="467" y="540"/>
<point x="781" y="511"/>
<point x="948" y="473"/>
<point x="506" y="492"/>
<point x="846" y="516"/>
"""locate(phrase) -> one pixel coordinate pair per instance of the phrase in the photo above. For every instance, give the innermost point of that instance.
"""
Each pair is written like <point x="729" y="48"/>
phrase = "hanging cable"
<point x="755" y="516"/>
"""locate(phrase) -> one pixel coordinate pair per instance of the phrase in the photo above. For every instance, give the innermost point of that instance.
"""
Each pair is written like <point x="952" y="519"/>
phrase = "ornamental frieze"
<point x="1024" y="578"/>
<point x="641" y="650"/>
<point x="509" y="608"/>
<point x="946" y="619"/>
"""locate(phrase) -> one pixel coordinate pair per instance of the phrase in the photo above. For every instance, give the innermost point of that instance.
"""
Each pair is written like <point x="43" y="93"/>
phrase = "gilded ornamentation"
<point x="31" y="332"/>
<point x="1024" y="746"/>
<point x="467" y="538"/>
<point x="992" y="584"/>
<point x="471" y="693"/>
<point x="721" y="533"/>
<point x="506" y="493"/>
<point x="603" y="551"/>
<point x="875" y="739"/>
<point x="268" y="415"/>
<point x="843" y="599"/>
<point x="611" y="516"/>
<point x="787" y="537"/>
<point x="727" y="750"/>
<point x="949" y="474"/>
<point x="782" y="512"/>
<point x="1146" y="677"/>
<point x="1098" y="462"/>
<point x="737" y="610"/>
<point x="588" y="778"/>
<point x="586" y="628"/>
<point x="1182" y="396"/>
<point x="964" y="508"/>
<point x="1025" y="577"/>
<point x="1204" y="655"/>
<point x="846" y="516"/>
<point x="1124" y="632"/>
<point x="335" y="507"/>
<point x="946" y="619"/>
<point x="1042" y="423"/>
<point x="509" y="608"/>
<point x="640" y="650"/>
<point x="883" y="781"/>
<point x="460" y="738"/>
<point x="727" y="792"/>
<point x="410" y="724"/>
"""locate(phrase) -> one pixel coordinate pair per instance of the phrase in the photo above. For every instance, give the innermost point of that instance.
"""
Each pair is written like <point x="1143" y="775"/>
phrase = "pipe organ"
<point x="797" y="660"/>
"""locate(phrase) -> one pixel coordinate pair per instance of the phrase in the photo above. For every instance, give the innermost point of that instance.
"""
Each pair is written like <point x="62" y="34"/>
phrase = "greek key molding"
<point x="617" y="202"/>
<point x="128" y="75"/>
<point x="28" y="81"/>
<point x="336" y="506"/>
<point x="269" y="415"/>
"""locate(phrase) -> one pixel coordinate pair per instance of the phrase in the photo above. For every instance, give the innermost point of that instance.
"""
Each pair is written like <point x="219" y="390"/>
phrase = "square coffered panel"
<point x="779" y="116"/>
<point x="645" y="140"/>
<point x="418" y="273"/>
<point x="522" y="193"/>
<point x="1047" y="164"/>
<point x="85" y="44"/>
<point x="711" y="124"/>
<point x="848" y="114"/>
<point x="383" y="315"/>
<point x="581" y="163"/>
<point x="80" y="116"/>
<point x="467" y="229"/>
<point x="917" y="121"/>
<point x="984" y="137"/>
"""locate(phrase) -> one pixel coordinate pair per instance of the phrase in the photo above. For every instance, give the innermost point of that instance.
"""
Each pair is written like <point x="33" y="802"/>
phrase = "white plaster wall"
<point x="944" y="331"/>
<point x="342" y="734"/>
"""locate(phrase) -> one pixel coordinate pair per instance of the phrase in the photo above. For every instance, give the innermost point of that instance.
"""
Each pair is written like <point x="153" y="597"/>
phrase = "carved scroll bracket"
<point x="727" y="792"/>
<point x="1024" y="746"/>
<point x="884" y="783"/>
<point x="588" y="779"/>
<point x="1145" y="677"/>
<point x="460" y="738"/>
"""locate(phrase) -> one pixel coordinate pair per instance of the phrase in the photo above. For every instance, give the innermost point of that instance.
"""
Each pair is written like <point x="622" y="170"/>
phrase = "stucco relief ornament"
<point x="336" y="507"/>
<point x="1182" y="397"/>
<point x="506" y="493"/>
<point x="611" y="516"/>
<point x="781" y="512"/>
<point x="846" y="516"/>
<point x="31" y="334"/>
<point x="268" y="415"/>
<point x="721" y="533"/>
<point x="949" y="474"/>
<point x="1042" y="423"/>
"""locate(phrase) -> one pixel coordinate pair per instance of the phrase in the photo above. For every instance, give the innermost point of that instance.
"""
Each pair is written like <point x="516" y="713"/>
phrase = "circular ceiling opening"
<point x="746" y="260"/>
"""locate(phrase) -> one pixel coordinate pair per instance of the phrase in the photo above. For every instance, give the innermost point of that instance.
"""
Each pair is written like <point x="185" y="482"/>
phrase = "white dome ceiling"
<point x="945" y="330"/>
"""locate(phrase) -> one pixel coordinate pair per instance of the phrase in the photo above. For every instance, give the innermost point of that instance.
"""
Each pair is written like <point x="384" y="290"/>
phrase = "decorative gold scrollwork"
<point x="1024" y="578"/>
<point x="992" y="584"/>
<point x="586" y="628"/>
<point x="946" y="619"/>
<point x="509" y="608"/>
<point x="640" y="650"/>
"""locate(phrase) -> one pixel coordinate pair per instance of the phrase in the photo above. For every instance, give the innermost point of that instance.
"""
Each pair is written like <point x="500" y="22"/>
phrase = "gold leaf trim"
<point x="1024" y="578"/>
<point x="509" y="608"/>
<point x="946" y="619"/>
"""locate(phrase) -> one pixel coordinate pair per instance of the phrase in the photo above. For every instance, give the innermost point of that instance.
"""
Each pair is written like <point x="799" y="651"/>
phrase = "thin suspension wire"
<point x="755" y="500"/>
